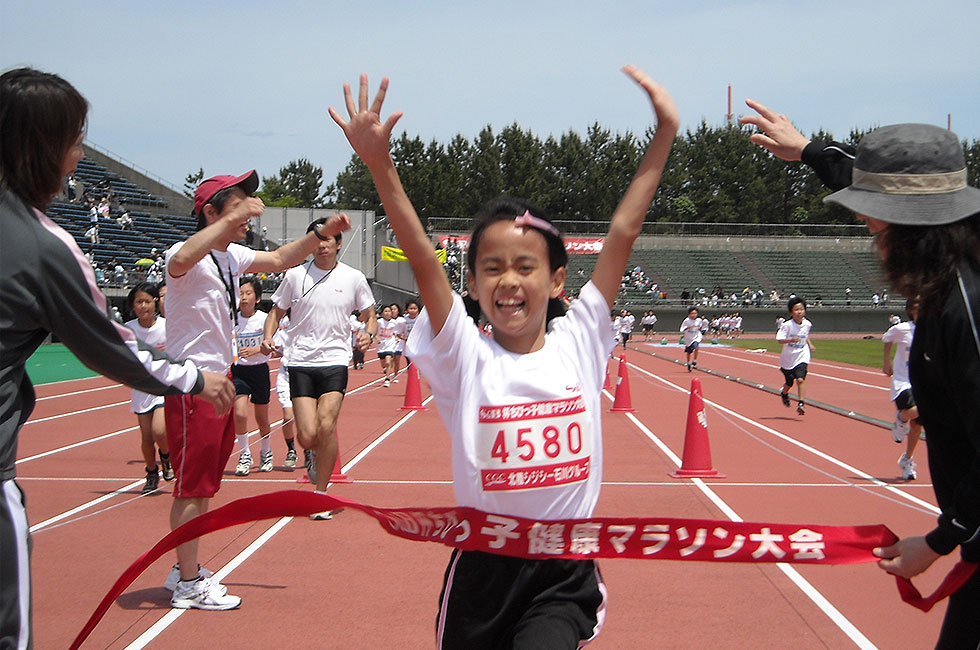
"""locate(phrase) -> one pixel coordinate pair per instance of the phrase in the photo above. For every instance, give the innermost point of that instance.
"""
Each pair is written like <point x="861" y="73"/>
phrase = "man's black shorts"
<point x="316" y="381"/>
<point x="252" y="381"/>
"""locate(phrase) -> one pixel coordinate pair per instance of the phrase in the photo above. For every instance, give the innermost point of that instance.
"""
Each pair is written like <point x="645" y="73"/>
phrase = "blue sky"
<point x="228" y="86"/>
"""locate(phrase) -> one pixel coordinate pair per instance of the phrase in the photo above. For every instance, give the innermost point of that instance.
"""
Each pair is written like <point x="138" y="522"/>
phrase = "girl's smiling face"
<point x="513" y="284"/>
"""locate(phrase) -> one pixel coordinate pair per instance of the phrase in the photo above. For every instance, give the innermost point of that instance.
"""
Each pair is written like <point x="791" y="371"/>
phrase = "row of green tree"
<point x="714" y="175"/>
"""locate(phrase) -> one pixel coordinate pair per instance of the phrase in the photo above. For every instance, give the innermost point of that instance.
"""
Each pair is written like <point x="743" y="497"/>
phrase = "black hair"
<point x="921" y="261"/>
<point x="413" y="301"/>
<point x="41" y="118"/>
<point x="218" y="201"/>
<point x="147" y="288"/>
<point x="256" y="285"/>
<point x="693" y="309"/>
<point x="794" y="301"/>
<point x="322" y="220"/>
<point x="507" y="208"/>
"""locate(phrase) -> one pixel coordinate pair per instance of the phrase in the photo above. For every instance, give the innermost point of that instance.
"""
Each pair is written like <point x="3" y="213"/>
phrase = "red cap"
<point x="249" y="182"/>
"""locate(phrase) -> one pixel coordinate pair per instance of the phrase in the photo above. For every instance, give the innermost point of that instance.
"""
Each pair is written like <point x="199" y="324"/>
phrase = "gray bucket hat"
<point x="910" y="174"/>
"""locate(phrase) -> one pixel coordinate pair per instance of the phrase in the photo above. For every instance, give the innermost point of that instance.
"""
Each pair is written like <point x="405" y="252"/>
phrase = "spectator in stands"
<point x="93" y="235"/>
<point x="46" y="284"/>
<point x="71" y="185"/>
<point x="125" y="220"/>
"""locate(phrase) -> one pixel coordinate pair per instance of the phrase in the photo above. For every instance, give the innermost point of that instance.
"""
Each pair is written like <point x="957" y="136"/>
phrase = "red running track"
<point x="346" y="584"/>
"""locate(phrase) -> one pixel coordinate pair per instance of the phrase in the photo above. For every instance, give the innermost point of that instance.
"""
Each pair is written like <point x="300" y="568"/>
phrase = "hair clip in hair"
<point x="530" y="221"/>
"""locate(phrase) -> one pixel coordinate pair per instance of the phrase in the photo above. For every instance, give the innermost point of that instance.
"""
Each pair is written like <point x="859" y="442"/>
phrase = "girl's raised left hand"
<point x="368" y="136"/>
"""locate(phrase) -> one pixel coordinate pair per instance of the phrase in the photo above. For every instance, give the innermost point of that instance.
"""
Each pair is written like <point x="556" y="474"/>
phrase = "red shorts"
<point x="200" y="444"/>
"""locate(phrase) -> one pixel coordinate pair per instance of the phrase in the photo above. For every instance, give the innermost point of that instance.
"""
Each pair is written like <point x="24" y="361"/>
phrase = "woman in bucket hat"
<point x="909" y="185"/>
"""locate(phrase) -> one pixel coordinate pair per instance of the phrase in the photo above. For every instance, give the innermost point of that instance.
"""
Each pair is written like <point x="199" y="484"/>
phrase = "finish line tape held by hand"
<point x="597" y="537"/>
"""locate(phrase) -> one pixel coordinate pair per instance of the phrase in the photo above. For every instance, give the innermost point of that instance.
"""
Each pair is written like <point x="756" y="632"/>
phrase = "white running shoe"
<point x="908" y="468"/>
<point x="290" y="461"/>
<point x="326" y="515"/>
<point x="900" y="428"/>
<point x="174" y="576"/>
<point x="203" y="593"/>
<point x="310" y="462"/>
<point x="266" y="458"/>
<point x="244" y="464"/>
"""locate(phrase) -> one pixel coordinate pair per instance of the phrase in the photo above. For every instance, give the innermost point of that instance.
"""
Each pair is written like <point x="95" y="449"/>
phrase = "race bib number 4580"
<point x="533" y="445"/>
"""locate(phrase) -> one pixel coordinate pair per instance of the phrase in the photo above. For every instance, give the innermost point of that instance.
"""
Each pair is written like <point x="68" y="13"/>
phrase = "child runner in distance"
<point x="356" y="327"/>
<point x="401" y="335"/>
<point x="151" y="329"/>
<point x="906" y="426"/>
<point x="516" y="271"/>
<point x="691" y="329"/>
<point x="389" y="330"/>
<point x="251" y="376"/>
<point x="281" y="340"/>
<point x="794" y="335"/>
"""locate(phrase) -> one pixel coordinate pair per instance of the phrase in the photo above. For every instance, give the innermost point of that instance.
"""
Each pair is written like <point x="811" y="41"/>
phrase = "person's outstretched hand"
<point x="778" y="135"/>
<point x="368" y="136"/>
<point x="663" y="103"/>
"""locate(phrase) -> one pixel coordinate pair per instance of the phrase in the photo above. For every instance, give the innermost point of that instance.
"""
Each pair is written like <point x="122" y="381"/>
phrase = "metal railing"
<point x="461" y="225"/>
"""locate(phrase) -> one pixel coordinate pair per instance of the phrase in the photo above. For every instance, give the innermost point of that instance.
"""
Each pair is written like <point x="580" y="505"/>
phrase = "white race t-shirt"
<point x="691" y="327"/>
<point x="525" y="428"/>
<point x="794" y="354"/>
<point x="248" y="334"/>
<point x="199" y="320"/>
<point x="155" y="335"/>
<point x="901" y="336"/>
<point x="626" y="323"/>
<point x="388" y="332"/>
<point x="321" y="302"/>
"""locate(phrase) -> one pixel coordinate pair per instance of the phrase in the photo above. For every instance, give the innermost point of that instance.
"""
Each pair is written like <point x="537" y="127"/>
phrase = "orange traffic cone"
<point x="338" y="476"/>
<point x="413" y="391"/>
<point x="697" y="451"/>
<point x="623" y="403"/>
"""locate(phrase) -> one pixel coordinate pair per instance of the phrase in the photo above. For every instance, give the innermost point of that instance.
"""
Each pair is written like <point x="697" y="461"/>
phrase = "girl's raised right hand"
<point x="368" y="136"/>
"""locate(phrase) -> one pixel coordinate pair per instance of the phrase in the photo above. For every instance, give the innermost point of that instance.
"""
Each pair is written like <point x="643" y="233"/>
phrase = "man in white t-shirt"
<point x="202" y="305"/>
<point x="794" y="335"/>
<point x="321" y="295"/>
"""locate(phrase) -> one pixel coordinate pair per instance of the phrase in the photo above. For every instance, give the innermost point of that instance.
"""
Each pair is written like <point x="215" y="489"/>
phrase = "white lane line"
<point x="77" y="444"/>
<point x="174" y="614"/>
<point x="810" y="372"/>
<point x="79" y="392"/>
<point x="65" y="415"/>
<point x="816" y="452"/>
<point x="86" y="506"/>
<point x="812" y="593"/>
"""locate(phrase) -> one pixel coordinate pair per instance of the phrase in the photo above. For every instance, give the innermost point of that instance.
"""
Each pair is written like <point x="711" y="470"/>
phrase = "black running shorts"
<point x="252" y="381"/>
<point x="317" y="381"/>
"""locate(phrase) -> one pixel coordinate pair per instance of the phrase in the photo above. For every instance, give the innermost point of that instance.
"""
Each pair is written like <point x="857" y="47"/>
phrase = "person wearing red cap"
<point x="202" y="301"/>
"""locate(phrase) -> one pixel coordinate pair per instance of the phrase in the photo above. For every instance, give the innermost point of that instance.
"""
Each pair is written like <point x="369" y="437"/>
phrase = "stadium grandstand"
<point x="718" y="267"/>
